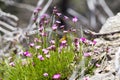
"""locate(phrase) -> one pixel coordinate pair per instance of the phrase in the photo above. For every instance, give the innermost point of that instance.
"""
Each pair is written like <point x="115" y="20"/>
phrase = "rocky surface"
<point x="109" y="69"/>
<point x="111" y="25"/>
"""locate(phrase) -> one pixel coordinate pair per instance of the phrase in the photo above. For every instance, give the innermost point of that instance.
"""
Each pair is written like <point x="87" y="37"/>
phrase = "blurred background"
<point x="91" y="13"/>
<point x="16" y="17"/>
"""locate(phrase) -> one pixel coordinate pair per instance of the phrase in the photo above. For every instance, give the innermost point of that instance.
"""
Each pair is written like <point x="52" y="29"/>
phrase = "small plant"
<point x="50" y="57"/>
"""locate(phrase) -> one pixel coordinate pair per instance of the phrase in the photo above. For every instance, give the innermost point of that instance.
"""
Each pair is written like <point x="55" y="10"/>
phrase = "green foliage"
<point x="34" y="69"/>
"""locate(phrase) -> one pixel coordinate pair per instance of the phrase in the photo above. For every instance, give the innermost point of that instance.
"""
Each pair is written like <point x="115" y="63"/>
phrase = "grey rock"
<point x="106" y="76"/>
<point x="111" y="25"/>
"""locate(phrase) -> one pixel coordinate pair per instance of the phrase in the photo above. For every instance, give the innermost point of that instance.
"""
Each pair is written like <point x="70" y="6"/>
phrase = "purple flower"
<point x="12" y="64"/>
<point x="41" y="57"/>
<point x="27" y="54"/>
<point x="56" y="76"/>
<point x="45" y="51"/>
<point x="46" y="21"/>
<point x="41" y="28"/>
<point x="62" y="45"/>
<point x="54" y="27"/>
<point x="83" y="39"/>
<point x="45" y="74"/>
<point x="75" y="19"/>
<point x="76" y="42"/>
<point x="37" y="10"/>
<point x="52" y="47"/>
<point x="87" y="54"/>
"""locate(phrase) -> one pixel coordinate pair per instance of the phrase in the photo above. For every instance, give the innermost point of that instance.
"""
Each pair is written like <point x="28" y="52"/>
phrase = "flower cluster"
<point x="51" y="57"/>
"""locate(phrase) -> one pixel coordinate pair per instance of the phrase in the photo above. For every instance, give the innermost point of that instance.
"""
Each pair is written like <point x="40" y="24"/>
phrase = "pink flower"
<point x="32" y="44"/>
<point x="35" y="11"/>
<point x="62" y="27"/>
<point x="45" y="74"/>
<point x="36" y="39"/>
<point x="52" y="41"/>
<point x="21" y="53"/>
<point x="46" y="21"/>
<point x="66" y="18"/>
<point x="58" y="22"/>
<point x="73" y="30"/>
<point x="27" y="54"/>
<point x="37" y="47"/>
<point x="75" y="19"/>
<point x="56" y="76"/>
<point x="86" y="78"/>
<point x="45" y="51"/>
<point x="41" y="57"/>
<point x="54" y="27"/>
<point x="64" y="42"/>
<point x="65" y="32"/>
<point x="58" y="14"/>
<point x="43" y="34"/>
<point x="38" y="8"/>
<point x="47" y="55"/>
<point x="12" y="64"/>
<point x="34" y="19"/>
<point x="97" y="65"/>
<point x="94" y="42"/>
<point x="87" y="54"/>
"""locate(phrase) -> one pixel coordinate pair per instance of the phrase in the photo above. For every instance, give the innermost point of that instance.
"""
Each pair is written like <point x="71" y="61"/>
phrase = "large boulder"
<point x="111" y="25"/>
